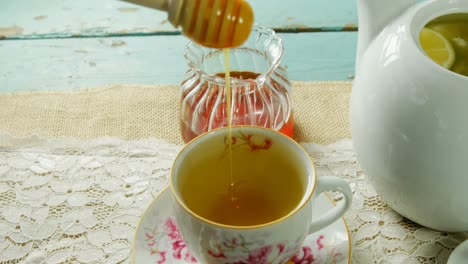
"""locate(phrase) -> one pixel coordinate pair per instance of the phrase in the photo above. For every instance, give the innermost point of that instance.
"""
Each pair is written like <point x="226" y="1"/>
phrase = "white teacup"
<point x="217" y="242"/>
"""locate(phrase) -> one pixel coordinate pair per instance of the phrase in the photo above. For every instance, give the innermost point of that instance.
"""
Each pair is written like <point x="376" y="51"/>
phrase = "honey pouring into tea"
<point x="230" y="95"/>
<point x="234" y="205"/>
<point x="238" y="86"/>
<point x="231" y="189"/>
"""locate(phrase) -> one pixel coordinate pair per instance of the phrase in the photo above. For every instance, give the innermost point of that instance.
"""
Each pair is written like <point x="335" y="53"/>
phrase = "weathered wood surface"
<point x="55" y="64"/>
<point x="68" y="44"/>
<point x="85" y="18"/>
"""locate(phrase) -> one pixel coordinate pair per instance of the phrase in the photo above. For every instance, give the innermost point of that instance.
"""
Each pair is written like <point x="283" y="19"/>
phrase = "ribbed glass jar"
<point x="260" y="89"/>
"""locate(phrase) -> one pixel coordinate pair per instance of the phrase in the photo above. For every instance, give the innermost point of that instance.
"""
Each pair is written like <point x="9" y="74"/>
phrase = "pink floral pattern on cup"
<point x="254" y="142"/>
<point x="175" y="247"/>
<point x="256" y="251"/>
<point x="178" y="250"/>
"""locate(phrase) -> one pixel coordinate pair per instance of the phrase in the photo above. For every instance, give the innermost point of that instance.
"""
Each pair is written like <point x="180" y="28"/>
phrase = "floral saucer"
<point x="157" y="238"/>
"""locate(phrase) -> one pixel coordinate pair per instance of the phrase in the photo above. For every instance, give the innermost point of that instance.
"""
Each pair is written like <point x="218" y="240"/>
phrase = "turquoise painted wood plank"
<point x="56" y="64"/>
<point x="67" y="18"/>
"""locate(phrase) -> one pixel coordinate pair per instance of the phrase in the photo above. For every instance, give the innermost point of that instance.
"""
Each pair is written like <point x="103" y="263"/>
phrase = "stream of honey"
<point x="227" y="76"/>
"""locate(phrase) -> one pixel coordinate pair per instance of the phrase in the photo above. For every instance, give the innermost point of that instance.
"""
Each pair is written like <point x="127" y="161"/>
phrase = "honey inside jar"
<point x="260" y="91"/>
<point x="250" y="105"/>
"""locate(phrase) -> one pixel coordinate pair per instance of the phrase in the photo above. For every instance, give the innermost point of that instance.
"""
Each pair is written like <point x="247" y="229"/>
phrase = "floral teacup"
<point x="218" y="242"/>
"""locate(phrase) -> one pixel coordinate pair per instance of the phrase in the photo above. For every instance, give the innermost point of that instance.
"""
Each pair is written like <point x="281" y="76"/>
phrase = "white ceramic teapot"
<point x="409" y="116"/>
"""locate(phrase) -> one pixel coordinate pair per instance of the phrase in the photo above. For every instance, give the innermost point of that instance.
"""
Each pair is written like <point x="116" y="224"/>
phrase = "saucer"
<point x="460" y="254"/>
<point x="157" y="239"/>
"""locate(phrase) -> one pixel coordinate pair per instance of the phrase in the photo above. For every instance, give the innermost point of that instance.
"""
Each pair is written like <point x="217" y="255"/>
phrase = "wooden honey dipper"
<point x="210" y="23"/>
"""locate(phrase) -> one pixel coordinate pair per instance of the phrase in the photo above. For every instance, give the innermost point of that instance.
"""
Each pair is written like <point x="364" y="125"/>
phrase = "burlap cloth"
<point x="137" y="112"/>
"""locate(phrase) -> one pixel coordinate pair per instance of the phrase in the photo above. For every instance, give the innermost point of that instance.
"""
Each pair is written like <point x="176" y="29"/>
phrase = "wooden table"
<point x="70" y="44"/>
<point x="67" y="44"/>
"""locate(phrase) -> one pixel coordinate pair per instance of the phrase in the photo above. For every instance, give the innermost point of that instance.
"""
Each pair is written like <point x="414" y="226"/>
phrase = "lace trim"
<point x="69" y="200"/>
<point x="379" y="234"/>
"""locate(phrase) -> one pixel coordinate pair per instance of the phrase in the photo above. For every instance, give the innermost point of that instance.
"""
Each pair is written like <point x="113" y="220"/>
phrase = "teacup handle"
<point x="332" y="183"/>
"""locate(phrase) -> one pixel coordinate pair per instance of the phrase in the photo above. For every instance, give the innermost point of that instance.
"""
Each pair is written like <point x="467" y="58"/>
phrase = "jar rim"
<point x="257" y="31"/>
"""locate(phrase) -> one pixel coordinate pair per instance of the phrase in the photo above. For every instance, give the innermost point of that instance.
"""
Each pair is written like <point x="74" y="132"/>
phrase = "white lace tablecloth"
<point x="66" y="200"/>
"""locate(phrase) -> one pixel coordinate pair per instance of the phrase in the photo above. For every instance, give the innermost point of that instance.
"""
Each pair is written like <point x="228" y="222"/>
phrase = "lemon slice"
<point x="457" y="33"/>
<point x="451" y="29"/>
<point x="437" y="47"/>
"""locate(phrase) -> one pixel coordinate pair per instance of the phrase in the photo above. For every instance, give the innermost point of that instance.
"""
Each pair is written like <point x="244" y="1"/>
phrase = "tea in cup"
<point x="231" y="203"/>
